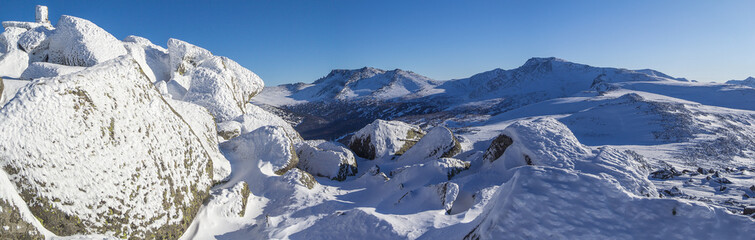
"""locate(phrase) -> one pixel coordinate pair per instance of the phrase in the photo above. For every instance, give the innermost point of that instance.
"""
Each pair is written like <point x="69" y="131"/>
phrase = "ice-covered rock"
<point x="33" y="38"/>
<point x="44" y="69"/>
<point x="40" y="14"/>
<point x="229" y="129"/>
<point x="9" y="39"/>
<point x="217" y="83"/>
<point x="16" y="221"/>
<point x="156" y="57"/>
<point x="439" y="142"/>
<point x="268" y="145"/>
<point x="101" y="152"/>
<point x="79" y="42"/>
<point x="384" y="138"/>
<point x="564" y="204"/>
<point x="326" y="159"/>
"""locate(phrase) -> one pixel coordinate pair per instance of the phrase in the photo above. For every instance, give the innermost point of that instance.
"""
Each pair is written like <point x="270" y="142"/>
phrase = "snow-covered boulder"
<point x="16" y="221"/>
<point x="229" y="129"/>
<point x="156" y="57"/>
<point x="256" y="117"/>
<point x="430" y="172"/>
<point x="33" y="38"/>
<point x="564" y="204"/>
<point x="548" y="142"/>
<point x="203" y="125"/>
<point x="217" y="83"/>
<point x="268" y="145"/>
<point x="298" y="177"/>
<point x="326" y="159"/>
<point x="79" y="42"/>
<point x="9" y="39"/>
<point x="101" y="152"/>
<point x="383" y="138"/>
<point x="44" y="69"/>
<point x="439" y="142"/>
<point x="13" y="63"/>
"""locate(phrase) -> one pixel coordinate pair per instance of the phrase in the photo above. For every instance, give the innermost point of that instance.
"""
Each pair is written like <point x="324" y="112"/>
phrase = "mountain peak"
<point x="541" y="60"/>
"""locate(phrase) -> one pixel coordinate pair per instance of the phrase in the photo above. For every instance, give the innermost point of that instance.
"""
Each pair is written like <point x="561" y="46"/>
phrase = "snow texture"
<point x="43" y="70"/>
<point x="439" y="142"/>
<point x="101" y="152"/>
<point x="79" y="42"/>
<point x="217" y="83"/>
<point x="326" y="159"/>
<point x="384" y="138"/>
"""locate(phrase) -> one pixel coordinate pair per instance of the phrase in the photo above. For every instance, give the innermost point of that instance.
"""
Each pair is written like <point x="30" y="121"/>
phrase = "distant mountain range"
<point x="345" y="100"/>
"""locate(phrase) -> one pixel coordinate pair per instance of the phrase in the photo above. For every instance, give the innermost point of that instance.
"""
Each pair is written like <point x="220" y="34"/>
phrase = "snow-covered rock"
<point x="156" y="57"/>
<point x="16" y="221"/>
<point x="79" y="42"/>
<point x="229" y="129"/>
<point x="9" y="39"/>
<point x="268" y="145"/>
<point x="33" y="38"/>
<point x="256" y="117"/>
<point x="217" y="83"/>
<point x="429" y="172"/>
<point x="439" y="142"/>
<point x="102" y="152"/>
<point x="203" y="125"/>
<point x="563" y="204"/>
<point x="13" y="63"/>
<point x="44" y="69"/>
<point x="384" y="138"/>
<point x="326" y="159"/>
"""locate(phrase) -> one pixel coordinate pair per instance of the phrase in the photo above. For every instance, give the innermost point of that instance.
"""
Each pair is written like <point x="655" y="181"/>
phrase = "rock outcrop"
<point x="79" y="42"/>
<point x="384" y="138"/>
<point x="439" y="142"/>
<point x="102" y="152"/>
<point x="326" y="159"/>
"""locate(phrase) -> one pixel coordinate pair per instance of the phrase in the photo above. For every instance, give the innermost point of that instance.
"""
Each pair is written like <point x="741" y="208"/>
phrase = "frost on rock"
<point x="326" y="159"/>
<point x="384" y="138"/>
<point x="256" y="117"/>
<point x="228" y="130"/>
<point x="439" y="142"/>
<point x="79" y="42"/>
<point x="16" y="221"/>
<point x="217" y="83"/>
<point x="13" y="61"/>
<point x="268" y="145"/>
<point x="156" y="57"/>
<point x="101" y="152"/>
<point x="33" y="38"/>
<point x="43" y="69"/>
<point x="200" y="120"/>
<point x="563" y="204"/>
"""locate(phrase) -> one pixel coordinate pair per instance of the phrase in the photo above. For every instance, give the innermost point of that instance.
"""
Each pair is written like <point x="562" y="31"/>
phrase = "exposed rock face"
<point x="384" y="138"/>
<point x="79" y="42"/>
<point x="217" y="83"/>
<point x="102" y="152"/>
<point x="44" y="69"/>
<point x="269" y="145"/>
<point x="497" y="147"/>
<point x="439" y="142"/>
<point x="326" y="159"/>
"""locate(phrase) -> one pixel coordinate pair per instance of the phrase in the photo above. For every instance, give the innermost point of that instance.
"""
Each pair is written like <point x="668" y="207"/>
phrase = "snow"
<point x="156" y="57"/>
<point x="44" y="69"/>
<point x="326" y="159"/>
<point x="33" y="38"/>
<point x="256" y="117"/>
<point x="79" y="42"/>
<point x="439" y="142"/>
<point x="268" y="145"/>
<point x="384" y="138"/>
<point x="86" y="144"/>
<point x="217" y="83"/>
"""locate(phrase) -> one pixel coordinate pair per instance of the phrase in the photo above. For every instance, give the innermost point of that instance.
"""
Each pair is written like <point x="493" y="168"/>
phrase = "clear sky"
<point x="301" y="41"/>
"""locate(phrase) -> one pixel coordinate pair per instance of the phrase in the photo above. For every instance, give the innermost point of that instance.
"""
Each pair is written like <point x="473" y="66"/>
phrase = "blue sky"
<point x="301" y="41"/>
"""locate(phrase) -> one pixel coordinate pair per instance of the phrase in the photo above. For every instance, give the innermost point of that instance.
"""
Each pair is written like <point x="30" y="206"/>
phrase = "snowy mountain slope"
<point x="750" y="82"/>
